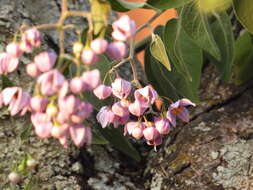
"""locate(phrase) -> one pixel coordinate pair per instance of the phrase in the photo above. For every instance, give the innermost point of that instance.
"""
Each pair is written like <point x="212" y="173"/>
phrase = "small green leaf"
<point x="158" y="51"/>
<point x="243" y="62"/>
<point x="119" y="141"/>
<point x="124" y="6"/>
<point x="97" y="138"/>
<point x="196" y="25"/>
<point x="167" y="4"/>
<point x="244" y="12"/>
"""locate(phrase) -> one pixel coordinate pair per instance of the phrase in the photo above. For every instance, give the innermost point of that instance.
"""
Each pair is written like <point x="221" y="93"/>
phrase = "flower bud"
<point x="99" y="45"/>
<point x="77" y="48"/>
<point x="38" y="104"/>
<point x="89" y="57"/>
<point x="14" y="50"/>
<point x="31" y="163"/>
<point x="32" y="70"/>
<point x="102" y="92"/>
<point x="45" y="61"/>
<point x="76" y="85"/>
<point x="14" y="177"/>
<point x="150" y="133"/>
<point x="32" y="36"/>
<point x="117" y="50"/>
<point x="51" y="110"/>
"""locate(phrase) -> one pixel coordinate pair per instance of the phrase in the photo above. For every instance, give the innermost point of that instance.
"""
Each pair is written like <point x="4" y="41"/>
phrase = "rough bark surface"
<point x="213" y="152"/>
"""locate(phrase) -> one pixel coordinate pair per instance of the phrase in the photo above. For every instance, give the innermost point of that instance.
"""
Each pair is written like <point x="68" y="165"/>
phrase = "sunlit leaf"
<point x="167" y="4"/>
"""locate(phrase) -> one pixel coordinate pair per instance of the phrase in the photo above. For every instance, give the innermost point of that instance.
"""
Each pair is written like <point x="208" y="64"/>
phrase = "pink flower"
<point x="178" y="109"/>
<point x="119" y="110"/>
<point x="121" y="88"/>
<point x="137" y="131"/>
<point x="117" y="120"/>
<point x="80" y="135"/>
<point x="89" y="57"/>
<point x="91" y="79"/>
<point x="50" y="82"/>
<point x="14" y="50"/>
<point x="99" y="45"/>
<point x="17" y="99"/>
<point x="45" y="60"/>
<point x="102" y="91"/>
<point x="60" y="131"/>
<point x="145" y="96"/>
<point x="117" y="50"/>
<point x="8" y="63"/>
<point x="32" y="70"/>
<point x="150" y="133"/>
<point x="68" y="104"/>
<point x="136" y="108"/>
<point x="42" y="124"/>
<point x="123" y="28"/>
<point x="162" y="125"/>
<point x="128" y="129"/>
<point x="38" y="104"/>
<point x="105" y="116"/>
<point x="77" y="85"/>
<point x="84" y="111"/>
<point x="30" y="39"/>
<point x="156" y="142"/>
<point x="62" y="117"/>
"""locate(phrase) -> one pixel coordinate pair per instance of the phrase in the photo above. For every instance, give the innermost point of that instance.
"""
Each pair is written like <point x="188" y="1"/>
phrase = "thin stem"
<point x="64" y="5"/>
<point x="47" y="26"/>
<point x="149" y="22"/>
<point x="78" y="13"/>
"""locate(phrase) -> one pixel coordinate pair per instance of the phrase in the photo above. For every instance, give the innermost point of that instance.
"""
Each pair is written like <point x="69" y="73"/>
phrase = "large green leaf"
<point x="158" y="51"/>
<point x="185" y="54"/>
<point x="244" y="12"/>
<point x="223" y="34"/>
<point x="243" y="62"/>
<point x="123" y="6"/>
<point x="118" y="140"/>
<point x="196" y="25"/>
<point x="167" y="4"/>
<point x="173" y="84"/>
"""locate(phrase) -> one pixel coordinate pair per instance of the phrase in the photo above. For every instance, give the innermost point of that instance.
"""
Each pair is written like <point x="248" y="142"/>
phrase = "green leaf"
<point x="186" y="56"/>
<point x="124" y="6"/>
<point x="158" y="51"/>
<point x="196" y="25"/>
<point x="167" y="4"/>
<point x="244" y="12"/>
<point x="97" y="138"/>
<point x="6" y="82"/>
<point x="119" y="141"/>
<point x="26" y="132"/>
<point x="223" y="35"/>
<point x="243" y="62"/>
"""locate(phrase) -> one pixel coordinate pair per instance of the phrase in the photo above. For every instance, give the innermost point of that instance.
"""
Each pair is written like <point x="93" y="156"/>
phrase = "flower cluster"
<point x="121" y="112"/>
<point x="57" y="107"/>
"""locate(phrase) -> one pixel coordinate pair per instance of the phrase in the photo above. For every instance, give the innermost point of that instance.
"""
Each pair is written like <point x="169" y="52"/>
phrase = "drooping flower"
<point x="8" y="63"/>
<point x="178" y="109"/>
<point x="99" y="45"/>
<point x="91" y="79"/>
<point x="76" y="85"/>
<point x="129" y="126"/>
<point x="60" y="131"/>
<point x="162" y="125"/>
<point x="136" y="109"/>
<point x="121" y="88"/>
<point x="150" y="133"/>
<point x="42" y="123"/>
<point x="30" y="39"/>
<point x="145" y="96"/>
<point x="80" y="135"/>
<point x="117" y="50"/>
<point x="51" y="82"/>
<point x="32" y="70"/>
<point x="14" y="50"/>
<point x="83" y="111"/>
<point x="45" y="60"/>
<point x="105" y="116"/>
<point x="89" y="57"/>
<point x="17" y="99"/>
<point x="137" y="131"/>
<point x="38" y="104"/>
<point x="119" y="110"/>
<point x="123" y="28"/>
<point x="102" y="91"/>
<point x="68" y="104"/>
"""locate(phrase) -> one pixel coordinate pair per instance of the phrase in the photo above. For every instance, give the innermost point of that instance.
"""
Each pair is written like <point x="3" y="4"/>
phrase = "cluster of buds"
<point x="9" y="60"/>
